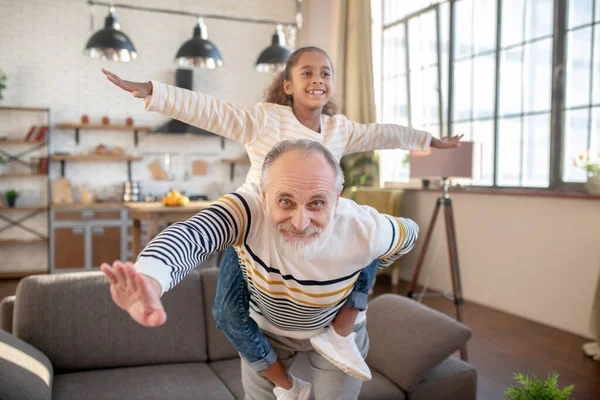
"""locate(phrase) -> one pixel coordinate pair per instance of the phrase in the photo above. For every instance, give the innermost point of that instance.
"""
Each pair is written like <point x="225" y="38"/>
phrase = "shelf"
<point x="232" y="162"/>
<point x="23" y="208"/>
<point x="15" y="141"/>
<point x="9" y="108"/>
<point x="109" y="127"/>
<point x="9" y="242"/>
<point x="94" y="157"/>
<point x="19" y="275"/>
<point x="18" y="175"/>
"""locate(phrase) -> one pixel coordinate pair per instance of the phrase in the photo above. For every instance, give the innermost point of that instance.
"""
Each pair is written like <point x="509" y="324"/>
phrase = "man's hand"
<point x="137" y="89"/>
<point x="135" y="293"/>
<point x="446" y="143"/>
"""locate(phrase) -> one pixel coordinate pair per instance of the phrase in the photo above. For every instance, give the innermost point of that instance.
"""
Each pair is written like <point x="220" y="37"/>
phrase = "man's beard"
<point x="302" y="248"/>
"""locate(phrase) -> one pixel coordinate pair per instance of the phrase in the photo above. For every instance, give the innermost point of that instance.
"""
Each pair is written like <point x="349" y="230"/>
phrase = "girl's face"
<point x="311" y="81"/>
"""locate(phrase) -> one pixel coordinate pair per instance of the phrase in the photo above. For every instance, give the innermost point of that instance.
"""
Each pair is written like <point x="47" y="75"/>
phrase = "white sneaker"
<point x="300" y="390"/>
<point x="342" y="352"/>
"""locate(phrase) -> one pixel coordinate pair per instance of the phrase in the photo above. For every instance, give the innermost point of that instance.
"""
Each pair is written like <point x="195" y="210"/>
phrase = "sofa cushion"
<point x="419" y="338"/>
<point x="25" y="373"/>
<point x="161" y="382"/>
<point x="219" y="347"/>
<point x="6" y="313"/>
<point x="450" y="380"/>
<point x="230" y="372"/>
<point x="74" y="321"/>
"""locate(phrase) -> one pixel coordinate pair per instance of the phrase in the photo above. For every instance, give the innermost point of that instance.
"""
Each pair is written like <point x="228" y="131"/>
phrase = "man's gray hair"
<point x="305" y="147"/>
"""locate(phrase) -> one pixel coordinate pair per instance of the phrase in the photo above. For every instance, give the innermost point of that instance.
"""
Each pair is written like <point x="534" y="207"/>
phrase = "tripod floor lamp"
<point x="435" y="163"/>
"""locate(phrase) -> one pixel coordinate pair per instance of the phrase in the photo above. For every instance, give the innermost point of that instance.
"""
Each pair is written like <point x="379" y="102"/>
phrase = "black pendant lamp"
<point x="274" y="57"/>
<point x="110" y="43"/>
<point x="199" y="52"/>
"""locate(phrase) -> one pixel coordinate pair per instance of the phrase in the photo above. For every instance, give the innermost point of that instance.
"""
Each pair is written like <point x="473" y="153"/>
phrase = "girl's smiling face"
<point x="311" y="81"/>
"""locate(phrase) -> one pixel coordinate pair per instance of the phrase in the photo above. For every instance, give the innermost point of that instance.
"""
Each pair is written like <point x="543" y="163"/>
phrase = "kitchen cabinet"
<point x="85" y="238"/>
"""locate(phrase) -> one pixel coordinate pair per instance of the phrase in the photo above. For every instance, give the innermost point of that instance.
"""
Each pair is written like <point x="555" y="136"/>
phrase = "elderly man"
<point x="300" y="250"/>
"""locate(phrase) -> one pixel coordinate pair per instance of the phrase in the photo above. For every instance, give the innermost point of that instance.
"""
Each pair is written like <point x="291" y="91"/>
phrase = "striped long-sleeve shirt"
<point x="258" y="128"/>
<point x="287" y="297"/>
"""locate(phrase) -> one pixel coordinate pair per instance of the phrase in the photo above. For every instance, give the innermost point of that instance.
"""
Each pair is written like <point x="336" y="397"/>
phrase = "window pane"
<point x="580" y="12"/>
<point x="510" y="81"/>
<point x="484" y="20"/>
<point x="483" y="153"/>
<point x="538" y="79"/>
<point x="484" y="79"/>
<point x="394" y="51"/>
<point x="395" y="106"/>
<point x="596" y="78"/>
<point x="509" y="152"/>
<point x="391" y="166"/>
<point x="597" y="17"/>
<point x="578" y="67"/>
<point x="540" y="15"/>
<point x="428" y="36"/>
<point x="536" y="150"/>
<point x="462" y="128"/>
<point x="575" y="142"/>
<point x="512" y="26"/>
<point x="595" y="139"/>
<point x="463" y="28"/>
<point x="462" y="90"/>
<point x="416" y="99"/>
<point x="444" y="34"/>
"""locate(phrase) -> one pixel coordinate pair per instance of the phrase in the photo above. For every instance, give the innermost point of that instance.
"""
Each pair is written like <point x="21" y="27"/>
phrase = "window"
<point x="582" y="92"/>
<point x="510" y="94"/>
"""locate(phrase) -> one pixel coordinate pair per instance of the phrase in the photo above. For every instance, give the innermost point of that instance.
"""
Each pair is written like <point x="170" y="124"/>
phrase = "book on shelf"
<point x="37" y="133"/>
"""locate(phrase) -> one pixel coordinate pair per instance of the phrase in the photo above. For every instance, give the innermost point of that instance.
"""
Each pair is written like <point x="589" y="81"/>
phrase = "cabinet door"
<point x="106" y="244"/>
<point x="69" y="248"/>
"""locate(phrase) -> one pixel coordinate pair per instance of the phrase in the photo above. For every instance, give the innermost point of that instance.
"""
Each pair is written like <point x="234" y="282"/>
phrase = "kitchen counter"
<point x="81" y="206"/>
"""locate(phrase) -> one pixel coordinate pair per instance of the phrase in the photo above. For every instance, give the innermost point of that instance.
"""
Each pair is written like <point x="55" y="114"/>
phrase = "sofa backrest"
<point x="73" y="320"/>
<point x="219" y="347"/>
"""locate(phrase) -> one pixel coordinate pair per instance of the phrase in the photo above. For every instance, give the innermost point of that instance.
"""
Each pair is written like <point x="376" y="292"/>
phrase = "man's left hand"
<point x="446" y="143"/>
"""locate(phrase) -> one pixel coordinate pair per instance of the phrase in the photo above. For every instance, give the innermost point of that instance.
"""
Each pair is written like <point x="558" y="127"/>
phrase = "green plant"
<point x="2" y="160"/>
<point x="12" y="195"/>
<point x="360" y="169"/>
<point x="536" y="389"/>
<point x="2" y="83"/>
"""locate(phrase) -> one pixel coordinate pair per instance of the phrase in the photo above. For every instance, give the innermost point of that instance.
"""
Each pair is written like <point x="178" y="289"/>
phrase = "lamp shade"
<point x="437" y="163"/>
<point x="274" y="57"/>
<point x="199" y="52"/>
<point x="110" y="43"/>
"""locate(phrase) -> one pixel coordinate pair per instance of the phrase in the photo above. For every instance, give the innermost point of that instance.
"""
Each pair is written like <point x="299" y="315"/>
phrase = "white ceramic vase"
<point x="593" y="184"/>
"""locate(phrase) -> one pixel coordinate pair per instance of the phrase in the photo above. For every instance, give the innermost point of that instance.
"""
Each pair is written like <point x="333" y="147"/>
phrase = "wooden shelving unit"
<point x="111" y="127"/>
<point x="6" y="213"/>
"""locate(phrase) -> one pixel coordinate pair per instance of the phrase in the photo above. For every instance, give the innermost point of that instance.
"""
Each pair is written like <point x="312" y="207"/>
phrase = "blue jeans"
<point x="232" y="310"/>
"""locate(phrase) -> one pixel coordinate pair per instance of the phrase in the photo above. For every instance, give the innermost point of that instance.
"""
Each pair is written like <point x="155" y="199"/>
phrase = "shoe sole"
<point x="352" y="372"/>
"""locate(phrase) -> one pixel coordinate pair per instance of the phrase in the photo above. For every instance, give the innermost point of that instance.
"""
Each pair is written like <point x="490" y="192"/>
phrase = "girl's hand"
<point x="137" y="89"/>
<point x="445" y="143"/>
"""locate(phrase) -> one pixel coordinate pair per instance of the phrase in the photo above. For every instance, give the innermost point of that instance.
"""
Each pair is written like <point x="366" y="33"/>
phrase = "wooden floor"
<point x="501" y="345"/>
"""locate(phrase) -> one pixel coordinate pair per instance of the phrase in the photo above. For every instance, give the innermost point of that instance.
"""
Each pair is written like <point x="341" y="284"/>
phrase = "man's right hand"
<point x="136" y="293"/>
<point x="137" y="89"/>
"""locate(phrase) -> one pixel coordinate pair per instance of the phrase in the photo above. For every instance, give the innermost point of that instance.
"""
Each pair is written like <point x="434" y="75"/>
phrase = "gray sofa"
<point x="63" y="338"/>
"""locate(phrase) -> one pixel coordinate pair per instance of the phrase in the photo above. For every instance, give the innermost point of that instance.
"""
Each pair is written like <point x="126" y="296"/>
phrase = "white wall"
<point x="535" y="257"/>
<point x="42" y="44"/>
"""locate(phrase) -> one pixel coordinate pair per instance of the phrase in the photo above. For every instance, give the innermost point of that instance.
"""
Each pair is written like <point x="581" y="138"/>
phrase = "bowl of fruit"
<point x="174" y="198"/>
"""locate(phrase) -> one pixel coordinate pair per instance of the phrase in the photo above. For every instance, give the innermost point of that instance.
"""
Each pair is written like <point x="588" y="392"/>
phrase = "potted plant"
<point x="2" y="83"/>
<point x="585" y="162"/>
<point x="11" y="197"/>
<point x="536" y="389"/>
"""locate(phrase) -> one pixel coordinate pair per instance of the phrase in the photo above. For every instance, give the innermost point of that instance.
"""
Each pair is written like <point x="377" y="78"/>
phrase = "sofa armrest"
<point x="7" y="307"/>
<point x="25" y="372"/>
<point x="408" y="339"/>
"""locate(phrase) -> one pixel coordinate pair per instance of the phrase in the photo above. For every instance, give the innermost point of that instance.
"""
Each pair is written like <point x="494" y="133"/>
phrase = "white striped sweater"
<point x="290" y="298"/>
<point x="260" y="127"/>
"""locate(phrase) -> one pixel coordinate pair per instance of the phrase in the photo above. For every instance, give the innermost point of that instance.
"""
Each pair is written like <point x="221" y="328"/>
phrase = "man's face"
<point x="299" y="201"/>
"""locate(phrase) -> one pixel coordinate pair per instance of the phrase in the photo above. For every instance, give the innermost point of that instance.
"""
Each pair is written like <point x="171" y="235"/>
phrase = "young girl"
<point x="298" y="105"/>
